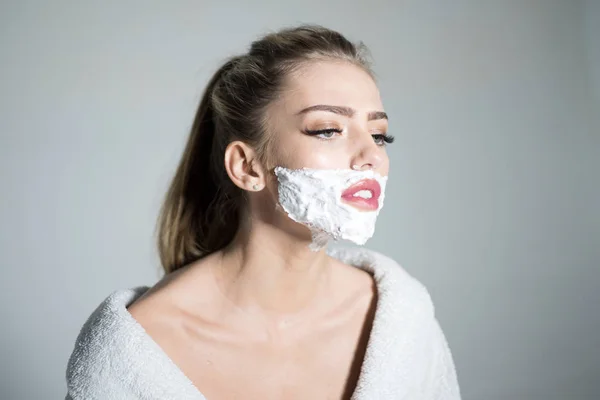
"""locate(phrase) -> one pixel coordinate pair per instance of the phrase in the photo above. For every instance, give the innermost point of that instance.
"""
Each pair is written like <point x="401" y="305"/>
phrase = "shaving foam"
<point x="313" y="197"/>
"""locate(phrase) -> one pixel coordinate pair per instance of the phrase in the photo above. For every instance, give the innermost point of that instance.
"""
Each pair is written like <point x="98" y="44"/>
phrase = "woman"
<point x="286" y="153"/>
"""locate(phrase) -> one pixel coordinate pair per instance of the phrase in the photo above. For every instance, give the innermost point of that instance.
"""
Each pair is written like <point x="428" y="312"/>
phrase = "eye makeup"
<point x="383" y="139"/>
<point x="326" y="133"/>
<point x="380" y="139"/>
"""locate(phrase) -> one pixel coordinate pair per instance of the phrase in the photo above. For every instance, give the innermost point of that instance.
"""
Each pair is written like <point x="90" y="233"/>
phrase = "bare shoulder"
<point x="357" y="285"/>
<point x="171" y="298"/>
<point x="359" y="278"/>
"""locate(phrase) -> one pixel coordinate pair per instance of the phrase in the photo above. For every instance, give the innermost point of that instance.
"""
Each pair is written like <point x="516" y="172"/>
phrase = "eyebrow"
<point x="341" y="110"/>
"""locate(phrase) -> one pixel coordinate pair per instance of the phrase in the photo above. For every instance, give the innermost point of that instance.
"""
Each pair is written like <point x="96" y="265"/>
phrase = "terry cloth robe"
<point x="407" y="355"/>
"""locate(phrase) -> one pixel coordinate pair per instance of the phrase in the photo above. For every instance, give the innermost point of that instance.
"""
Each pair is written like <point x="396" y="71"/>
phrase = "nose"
<point x="367" y="155"/>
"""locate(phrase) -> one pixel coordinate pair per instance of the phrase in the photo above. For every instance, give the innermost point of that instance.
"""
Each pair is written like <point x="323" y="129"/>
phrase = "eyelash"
<point x="387" y="139"/>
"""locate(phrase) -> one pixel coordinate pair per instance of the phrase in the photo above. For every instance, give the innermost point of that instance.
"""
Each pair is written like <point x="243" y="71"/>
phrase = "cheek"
<point x="309" y="152"/>
<point x="303" y="157"/>
<point x="329" y="159"/>
<point x="385" y="165"/>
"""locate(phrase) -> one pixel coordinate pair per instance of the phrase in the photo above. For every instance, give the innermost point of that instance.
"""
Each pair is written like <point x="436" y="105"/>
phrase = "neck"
<point x="266" y="270"/>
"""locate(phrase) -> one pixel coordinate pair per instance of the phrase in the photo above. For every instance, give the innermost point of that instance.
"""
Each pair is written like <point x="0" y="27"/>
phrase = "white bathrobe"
<point x="407" y="356"/>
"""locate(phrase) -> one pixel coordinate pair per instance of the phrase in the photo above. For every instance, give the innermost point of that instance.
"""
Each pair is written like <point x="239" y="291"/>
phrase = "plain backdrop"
<point x="493" y="199"/>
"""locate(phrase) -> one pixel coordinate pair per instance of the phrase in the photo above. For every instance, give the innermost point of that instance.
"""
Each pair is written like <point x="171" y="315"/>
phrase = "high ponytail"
<point x="202" y="208"/>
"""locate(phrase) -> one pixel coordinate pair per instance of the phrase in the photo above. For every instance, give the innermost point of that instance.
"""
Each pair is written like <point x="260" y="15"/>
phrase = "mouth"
<point x="363" y="195"/>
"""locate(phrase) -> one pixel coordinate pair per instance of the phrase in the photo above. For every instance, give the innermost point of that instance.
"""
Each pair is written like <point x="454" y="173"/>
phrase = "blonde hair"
<point x="202" y="208"/>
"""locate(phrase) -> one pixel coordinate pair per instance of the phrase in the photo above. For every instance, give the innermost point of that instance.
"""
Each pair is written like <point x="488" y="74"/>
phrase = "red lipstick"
<point x="369" y="185"/>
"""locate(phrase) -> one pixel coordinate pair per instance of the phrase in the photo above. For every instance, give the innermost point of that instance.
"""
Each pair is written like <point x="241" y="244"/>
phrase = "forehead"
<point x="337" y="83"/>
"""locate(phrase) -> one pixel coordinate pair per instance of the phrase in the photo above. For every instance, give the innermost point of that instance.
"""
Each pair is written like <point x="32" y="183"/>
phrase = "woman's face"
<point x="329" y="116"/>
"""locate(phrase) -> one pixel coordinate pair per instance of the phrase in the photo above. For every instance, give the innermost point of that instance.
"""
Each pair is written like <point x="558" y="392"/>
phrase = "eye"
<point x="382" y="139"/>
<point x="324" y="133"/>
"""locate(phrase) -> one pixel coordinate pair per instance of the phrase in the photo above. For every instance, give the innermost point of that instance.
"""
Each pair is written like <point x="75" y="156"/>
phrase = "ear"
<point x="243" y="167"/>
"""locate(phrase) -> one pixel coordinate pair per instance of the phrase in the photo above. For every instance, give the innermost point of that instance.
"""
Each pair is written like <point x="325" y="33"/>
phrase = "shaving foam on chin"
<point x="313" y="197"/>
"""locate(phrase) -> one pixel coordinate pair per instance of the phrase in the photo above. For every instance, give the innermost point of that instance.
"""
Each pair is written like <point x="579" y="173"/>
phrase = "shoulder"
<point x="393" y="282"/>
<point x="407" y="348"/>
<point x="114" y="357"/>
<point x="100" y="359"/>
<point x="108" y="318"/>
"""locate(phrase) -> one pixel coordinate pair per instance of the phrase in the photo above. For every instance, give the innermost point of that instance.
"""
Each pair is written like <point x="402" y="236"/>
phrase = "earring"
<point x="256" y="186"/>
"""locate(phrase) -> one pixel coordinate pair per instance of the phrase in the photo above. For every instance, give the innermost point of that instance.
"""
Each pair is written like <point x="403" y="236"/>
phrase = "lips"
<point x="365" y="187"/>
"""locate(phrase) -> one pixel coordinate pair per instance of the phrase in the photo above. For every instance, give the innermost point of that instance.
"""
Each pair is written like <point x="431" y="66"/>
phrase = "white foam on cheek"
<point x="313" y="197"/>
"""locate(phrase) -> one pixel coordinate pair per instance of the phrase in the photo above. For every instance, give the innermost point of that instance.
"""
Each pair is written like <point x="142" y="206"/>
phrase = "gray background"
<point x="493" y="196"/>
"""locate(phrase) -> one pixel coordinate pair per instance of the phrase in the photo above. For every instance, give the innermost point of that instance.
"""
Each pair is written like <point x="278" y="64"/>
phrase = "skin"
<point x="266" y="317"/>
